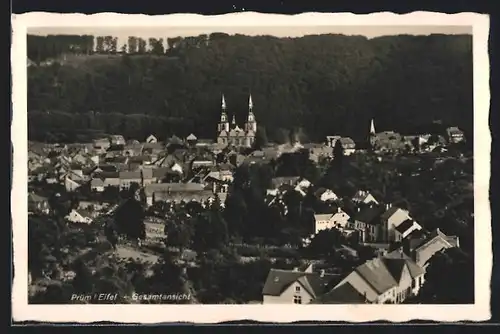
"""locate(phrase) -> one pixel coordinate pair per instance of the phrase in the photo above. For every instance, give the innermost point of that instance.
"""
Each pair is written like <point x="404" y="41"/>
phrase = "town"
<point x="236" y="219"/>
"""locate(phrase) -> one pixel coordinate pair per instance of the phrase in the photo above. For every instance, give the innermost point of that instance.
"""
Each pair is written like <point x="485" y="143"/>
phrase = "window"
<point x="297" y="289"/>
<point x="297" y="300"/>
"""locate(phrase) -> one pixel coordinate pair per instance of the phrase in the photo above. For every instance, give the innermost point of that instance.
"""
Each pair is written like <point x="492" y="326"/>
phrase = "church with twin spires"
<point x="232" y="134"/>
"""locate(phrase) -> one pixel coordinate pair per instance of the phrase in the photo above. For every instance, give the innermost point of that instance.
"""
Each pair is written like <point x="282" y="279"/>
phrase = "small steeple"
<point x="223" y="102"/>
<point x="233" y="122"/>
<point x="372" y="128"/>
<point x="250" y="103"/>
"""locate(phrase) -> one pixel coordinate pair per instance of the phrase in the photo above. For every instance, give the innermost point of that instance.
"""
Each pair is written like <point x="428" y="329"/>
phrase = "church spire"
<point x="250" y="103"/>
<point x="233" y="122"/>
<point x="223" y="102"/>
<point x="372" y="128"/>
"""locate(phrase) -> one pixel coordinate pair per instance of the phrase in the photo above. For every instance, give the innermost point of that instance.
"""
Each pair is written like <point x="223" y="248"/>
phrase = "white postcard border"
<point x="266" y="313"/>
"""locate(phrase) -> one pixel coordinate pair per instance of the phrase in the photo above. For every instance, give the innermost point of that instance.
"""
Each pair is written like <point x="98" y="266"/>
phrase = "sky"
<point x="281" y="31"/>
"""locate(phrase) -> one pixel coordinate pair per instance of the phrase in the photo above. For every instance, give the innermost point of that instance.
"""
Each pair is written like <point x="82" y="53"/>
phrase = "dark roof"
<point x="404" y="226"/>
<point x="397" y="256"/>
<point x="343" y="294"/>
<point x="279" y="280"/>
<point x="109" y="175"/>
<point x="107" y="168"/>
<point x="392" y="210"/>
<point x="369" y="214"/>
<point x="377" y="275"/>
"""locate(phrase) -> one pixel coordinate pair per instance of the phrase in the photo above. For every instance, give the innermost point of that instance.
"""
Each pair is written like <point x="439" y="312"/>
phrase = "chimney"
<point x="339" y="209"/>
<point x="296" y="269"/>
<point x="322" y="273"/>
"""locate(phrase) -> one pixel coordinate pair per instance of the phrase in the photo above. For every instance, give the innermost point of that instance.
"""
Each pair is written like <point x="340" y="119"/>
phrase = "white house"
<point x="327" y="221"/>
<point x="294" y="286"/>
<point x="151" y="139"/>
<point x="391" y="219"/>
<point x="363" y="196"/>
<point x="79" y="216"/>
<point x="71" y="185"/>
<point x="326" y="195"/>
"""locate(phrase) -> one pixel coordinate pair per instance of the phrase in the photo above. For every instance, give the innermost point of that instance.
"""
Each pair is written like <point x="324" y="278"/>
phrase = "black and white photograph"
<point x="244" y="161"/>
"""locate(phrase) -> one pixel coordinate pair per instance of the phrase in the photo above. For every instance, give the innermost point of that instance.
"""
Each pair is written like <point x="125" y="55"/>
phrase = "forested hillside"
<point x="325" y="84"/>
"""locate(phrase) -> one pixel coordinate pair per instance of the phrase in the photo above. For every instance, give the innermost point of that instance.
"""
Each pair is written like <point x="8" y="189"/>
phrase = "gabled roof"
<point x="36" y="198"/>
<point x="279" y="280"/>
<point x="369" y="214"/>
<point x="343" y="294"/>
<point x="191" y="137"/>
<point x="414" y="269"/>
<point x="390" y="212"/>
<point x="375" y="273"/>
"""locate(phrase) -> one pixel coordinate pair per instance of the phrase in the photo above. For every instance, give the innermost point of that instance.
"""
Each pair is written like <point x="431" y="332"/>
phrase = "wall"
<point x="287" y="296"/>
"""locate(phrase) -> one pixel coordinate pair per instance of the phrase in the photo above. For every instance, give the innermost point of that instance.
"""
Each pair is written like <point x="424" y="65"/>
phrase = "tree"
<point x="180" y="231"/>
<point x="260" y="138"/>
<point x="437" y="288"/>
<point x="338" y="156"/>
<point x="211" y="231"/>
<point x="309" y="78"/>
<point x="129" y="219"/>
<point x="83" y="281"/>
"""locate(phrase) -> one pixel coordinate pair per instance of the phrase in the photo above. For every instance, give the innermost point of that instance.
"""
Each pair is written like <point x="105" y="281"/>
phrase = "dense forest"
<point x="85" y="86"/>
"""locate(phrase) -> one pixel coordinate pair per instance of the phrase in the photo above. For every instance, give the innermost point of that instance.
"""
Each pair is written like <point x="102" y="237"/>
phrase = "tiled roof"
<point x="172" y="187"/>
<point x="343" y="294"/>
<point x="377" y="275"/>
<point x="130" y="175"/>
<point x="369" y="214"/>
<point x="278" y="280"/>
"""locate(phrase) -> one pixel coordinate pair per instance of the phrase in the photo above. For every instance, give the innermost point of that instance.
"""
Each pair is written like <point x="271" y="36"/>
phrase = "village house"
<point x="101" y="145"/>
<point x="455" y="135"/>
<point x="70" y="184"/>
<point x="176" y="192"/>
<point x="365" y="197"/>
<point x="325" y="195"/>
<point x="348" y="145"/>
<point x="133" y="149"/>
<point x="278" y="182"/>
<point x="327" y="221"/>
<point x="37" y="203"/>
<point x="295" y="286"/>
<point x="366" y="220"/>
<point x="391" y="219"/>
<point x="128" y="178"/>
<point x="386" y="280"/>
<point x="117" y="140"/>
<point x="422" y="248"/>
<point x="79" y="216"/>
<point x="151" y="139"/>
<point x="191" y="140"/>
<point x="97" y="185"/>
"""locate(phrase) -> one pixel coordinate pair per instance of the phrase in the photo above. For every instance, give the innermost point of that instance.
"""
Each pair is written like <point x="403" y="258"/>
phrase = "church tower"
<point x="224" y="120"/>
<point x="251" y="124"/>
<point x="373" y="134"/>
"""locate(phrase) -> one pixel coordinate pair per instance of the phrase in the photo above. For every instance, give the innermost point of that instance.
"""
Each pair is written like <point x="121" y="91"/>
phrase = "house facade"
<point x="295" y="286"/>
<point x="388" y="280"/>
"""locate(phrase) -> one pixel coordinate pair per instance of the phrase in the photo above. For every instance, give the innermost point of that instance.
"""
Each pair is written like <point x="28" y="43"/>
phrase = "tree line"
<point x="324" y="84"/>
